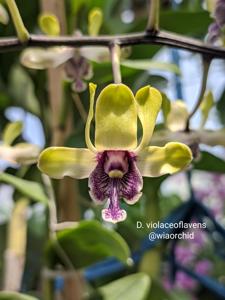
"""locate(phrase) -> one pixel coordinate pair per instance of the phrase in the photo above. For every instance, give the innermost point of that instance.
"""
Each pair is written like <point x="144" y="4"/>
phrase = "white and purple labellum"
<point x="116" y="176"/>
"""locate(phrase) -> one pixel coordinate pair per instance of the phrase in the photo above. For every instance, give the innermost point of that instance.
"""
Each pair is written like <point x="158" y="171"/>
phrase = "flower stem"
<point x="151" y="260"/>
<point x="53" y="223"/>
<point x="22" y="33"/>
<point x="115" y="58"/>
<point x="153" y="17"/>
<point x="80" y="107"/>
<point x="54" y="227"/>
<point x="206" y="65"/>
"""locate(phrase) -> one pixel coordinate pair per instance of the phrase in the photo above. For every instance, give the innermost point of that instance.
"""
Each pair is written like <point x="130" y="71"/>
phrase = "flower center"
<point x="116" y="163"/>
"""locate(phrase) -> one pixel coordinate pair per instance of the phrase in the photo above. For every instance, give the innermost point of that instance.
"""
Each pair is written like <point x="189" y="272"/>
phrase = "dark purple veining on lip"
<point x="114" y="213"/>
<point x="116" y="176"/>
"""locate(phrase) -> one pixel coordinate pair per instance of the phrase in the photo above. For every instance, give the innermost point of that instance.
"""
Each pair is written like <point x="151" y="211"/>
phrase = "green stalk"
<point x="206" y="60"/>
<point x="22" y="33"/>
<point x="115" y="58"/>
<point x="151" y="261"/>
<point x="153" y="18"/>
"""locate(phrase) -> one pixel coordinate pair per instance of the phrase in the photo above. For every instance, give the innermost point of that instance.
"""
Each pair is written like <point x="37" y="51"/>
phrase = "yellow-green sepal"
<point x="156" y="161"/>
<point x="58" y="162"/>
<point x="116" y="118"/>
<point x="40" y="58"/>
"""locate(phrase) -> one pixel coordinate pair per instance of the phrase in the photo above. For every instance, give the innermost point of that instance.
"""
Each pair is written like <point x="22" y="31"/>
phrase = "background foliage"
<point x="109" y="261"/>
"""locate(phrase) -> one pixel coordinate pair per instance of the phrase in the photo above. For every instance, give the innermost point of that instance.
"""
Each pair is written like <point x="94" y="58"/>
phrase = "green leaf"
<point x="95" y="18"/>
<point x="22" y="90"/>
<point x="192" y="23"/>
<point x="49" y="24"/>
<point x="205" y="107"/>
<point x="11" y="132"/>
<point x="5" y="100"/>
<point x="210" y="162"/>
<point x="31" y="189"/>
<point x="180" y="295"/>
<point x="146" y="64"/>
<point x="132" y="287"/>
<point x="15" y="296"/>
<point x="37" y="235"/>
<point x="221" y="107"/>
<point x="77" y="4"/>
<point x="158" y="292"/>
<point x="88" y="243"/>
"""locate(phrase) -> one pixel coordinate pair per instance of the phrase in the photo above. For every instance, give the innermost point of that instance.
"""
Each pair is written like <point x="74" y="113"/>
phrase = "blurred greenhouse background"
<point x="54" y="243"/>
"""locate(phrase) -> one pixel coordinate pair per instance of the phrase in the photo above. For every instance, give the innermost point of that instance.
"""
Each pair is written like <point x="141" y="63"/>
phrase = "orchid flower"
<point x="116" y="163"/>
<point x="77" y="67"/>
<point x="175" y="119"/>
<point x="20" y="153"/>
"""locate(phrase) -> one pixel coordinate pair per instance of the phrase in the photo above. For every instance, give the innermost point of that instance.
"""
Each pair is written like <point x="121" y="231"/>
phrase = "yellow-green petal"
<point x="92" y="89"/>
<point x="149" y="102"/>
<point x="177" y="117"/>
<point x="156" y="161"/>
<point x="206" y="106"/>
<point x="116" y="118"/>
<point x="11" y="132"/>
<point x="58" y="162"/>
<point x="95" y="18"/>
<point x="40" y="58"/>
<point x="49" y="24"/>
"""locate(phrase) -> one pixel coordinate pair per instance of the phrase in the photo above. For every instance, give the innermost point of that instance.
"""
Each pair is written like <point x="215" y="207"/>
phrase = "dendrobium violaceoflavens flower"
<point x="116" y="162"/>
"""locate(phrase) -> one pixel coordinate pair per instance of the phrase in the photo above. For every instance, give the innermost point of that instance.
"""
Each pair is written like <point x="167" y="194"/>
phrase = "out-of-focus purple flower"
<point x="78" y="69"/>
<point x="216" y="31"/>
<point x="199" y="239"/>
<point x="203" y="267"/>
<point x="210" y="190"/>
<point x="187" y="253"/>
<point x="213" y="32"/>
<point x="220" y="13"/>
<point x="211" y="193"/>
<point x="183" y="281"/>
<point x="184" y="254"/>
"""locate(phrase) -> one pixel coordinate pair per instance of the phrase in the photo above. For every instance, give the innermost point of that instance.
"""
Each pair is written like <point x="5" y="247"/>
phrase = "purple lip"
<point x="116" y="176"/>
